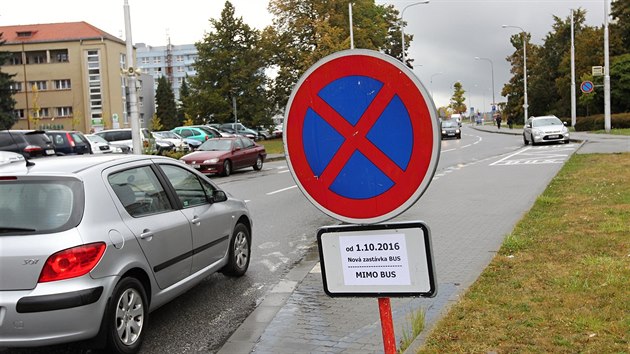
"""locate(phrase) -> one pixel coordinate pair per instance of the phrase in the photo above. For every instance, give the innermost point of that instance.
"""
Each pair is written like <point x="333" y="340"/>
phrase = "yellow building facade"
<point x="67" y="76"/>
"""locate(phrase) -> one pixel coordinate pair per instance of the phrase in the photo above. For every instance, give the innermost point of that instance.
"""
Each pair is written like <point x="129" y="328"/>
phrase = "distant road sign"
<point x="597" y="71"/>
<point x="361" y="136"/>
<point x="587" y="86"/>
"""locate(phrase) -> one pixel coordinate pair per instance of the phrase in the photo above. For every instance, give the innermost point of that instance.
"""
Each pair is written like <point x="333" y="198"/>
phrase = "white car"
<point x="178" y="141"/>
<point x="545" y="129"/>
<point x="102" y="146"/>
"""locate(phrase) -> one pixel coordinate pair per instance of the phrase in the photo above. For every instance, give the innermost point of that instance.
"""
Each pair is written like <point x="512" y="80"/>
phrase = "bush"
<point x="596" y="122"/>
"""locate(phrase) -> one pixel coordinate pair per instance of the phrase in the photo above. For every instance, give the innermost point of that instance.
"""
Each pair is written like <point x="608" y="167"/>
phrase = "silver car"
<point x="545" y="129"/>
<point x="89" y="246"/>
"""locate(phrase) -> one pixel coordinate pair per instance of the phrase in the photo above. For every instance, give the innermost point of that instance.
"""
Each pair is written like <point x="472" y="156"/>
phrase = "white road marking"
<point x="281" y="190"/>
<point x="285" y="171"/>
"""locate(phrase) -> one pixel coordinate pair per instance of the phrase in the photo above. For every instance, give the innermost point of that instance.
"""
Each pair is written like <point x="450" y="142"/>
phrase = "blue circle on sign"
<point x="391" y="133"/>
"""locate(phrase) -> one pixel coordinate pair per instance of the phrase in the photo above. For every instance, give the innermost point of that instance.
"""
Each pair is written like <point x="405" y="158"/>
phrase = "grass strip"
<point x="561" y="281"/>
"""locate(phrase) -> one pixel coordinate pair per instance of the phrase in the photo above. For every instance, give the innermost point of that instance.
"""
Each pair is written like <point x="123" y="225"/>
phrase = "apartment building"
<point x="69" y="76"/>
<point x="175" y="62"/>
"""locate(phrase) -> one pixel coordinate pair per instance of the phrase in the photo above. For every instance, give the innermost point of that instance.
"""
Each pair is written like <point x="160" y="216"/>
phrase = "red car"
<point x="224" y="155"/>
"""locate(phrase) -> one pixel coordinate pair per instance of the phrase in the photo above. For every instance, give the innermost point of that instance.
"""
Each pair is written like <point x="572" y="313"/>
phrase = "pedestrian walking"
<point x="498" y="119"/>
<point x="510" y="122"/>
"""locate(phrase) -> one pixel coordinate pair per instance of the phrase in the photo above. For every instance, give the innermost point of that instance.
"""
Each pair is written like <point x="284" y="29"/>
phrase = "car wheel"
<point x="239" y="252"/>
<point x="459" y="136"/>
<point x="525" y="141"/>
<point x="533" y="142"/>
<point x="126" y="315"/>
<point x="227" y="168"/>
<point x="259" y="163"/>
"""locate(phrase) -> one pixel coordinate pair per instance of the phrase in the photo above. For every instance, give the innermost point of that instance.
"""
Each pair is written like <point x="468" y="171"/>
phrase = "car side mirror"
<point x="218" y="196"/>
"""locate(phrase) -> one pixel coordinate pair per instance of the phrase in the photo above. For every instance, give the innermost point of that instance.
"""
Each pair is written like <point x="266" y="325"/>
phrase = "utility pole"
<point x="573" y="109"/>
<point x="607" y="123"/>
<point x="131" y="86"/>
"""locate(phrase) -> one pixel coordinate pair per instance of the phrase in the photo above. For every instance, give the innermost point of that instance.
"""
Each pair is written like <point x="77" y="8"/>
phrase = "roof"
<point x="69" y="165"/>
<point x="54" y="32"/>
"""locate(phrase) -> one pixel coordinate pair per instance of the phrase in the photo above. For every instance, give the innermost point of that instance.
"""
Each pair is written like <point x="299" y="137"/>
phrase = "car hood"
<point x="550" y="129"/>
<point x="205" y="155"/>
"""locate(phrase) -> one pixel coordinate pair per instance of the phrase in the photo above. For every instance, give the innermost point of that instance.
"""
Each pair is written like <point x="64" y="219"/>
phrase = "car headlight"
<point x="536" y="132"/>
<point x="443" y="131"/>
<point x="211" y="161"/>
<point x="116" y="148"/>
<point x="457" y="131"/>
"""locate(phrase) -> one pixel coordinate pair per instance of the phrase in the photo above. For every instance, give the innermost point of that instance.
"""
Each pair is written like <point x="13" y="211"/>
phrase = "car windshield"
<point x="449" y="124"/>
<point x="38" y="205"/>
<point x="216" y="145"/>
<point x="96" y="139"/>
<point x="166" y="135"/>
<point x="543" y="122"/>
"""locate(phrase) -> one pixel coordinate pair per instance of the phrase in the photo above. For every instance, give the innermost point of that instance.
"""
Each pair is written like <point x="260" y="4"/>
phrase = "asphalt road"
<point x="285" y="226"/>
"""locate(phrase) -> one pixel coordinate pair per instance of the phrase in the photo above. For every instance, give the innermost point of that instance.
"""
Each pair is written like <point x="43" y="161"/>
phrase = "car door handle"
<point x="196" y="220"/>
<point x="146" y="234"/>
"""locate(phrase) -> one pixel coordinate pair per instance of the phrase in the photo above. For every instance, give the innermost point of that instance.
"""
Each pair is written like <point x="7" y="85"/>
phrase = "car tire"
<point x="126" y="315"/>
<point x="259" y="163"/>
<point x="459" y="137"/>
<point x="533" y="141"/>
<point x="227" y="168"/>
<point x="525" y="141"/>
<point x="239" y="253"/>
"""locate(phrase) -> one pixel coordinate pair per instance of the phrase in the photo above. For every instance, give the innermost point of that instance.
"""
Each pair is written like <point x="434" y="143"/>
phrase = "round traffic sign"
<point x="361" y="136"/>
<point x="587" y="86"/>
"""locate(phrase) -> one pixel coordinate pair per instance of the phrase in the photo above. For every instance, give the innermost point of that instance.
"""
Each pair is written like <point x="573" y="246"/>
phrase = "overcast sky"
<point x="448" y="34"/>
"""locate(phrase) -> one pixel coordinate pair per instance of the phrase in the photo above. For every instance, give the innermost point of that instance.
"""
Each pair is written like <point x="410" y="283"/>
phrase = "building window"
<point x="42" y="113"/>
<point x="24" y="34"/>
<point x="59" y="56"/>
<point x="157" y="60"/>
<point x="39" y="59"/>
<point x="19" y="113"/>
<point x="16" y="59"/>
<point x="64" y="111"/>
<point x="180" y="69"/>
<point x="39" y="85"/>
<point x="16" y="86"/>
<point x="179" y="58"/>
<point x="145" y="60"/>
<point x="62" y="84"/>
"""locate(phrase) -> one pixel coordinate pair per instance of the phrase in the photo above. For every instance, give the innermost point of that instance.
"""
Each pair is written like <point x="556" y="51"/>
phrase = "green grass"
<point x="416" y="320"/>
<point x="561" y="281"/>
<point x="273" y="146"/>
<point x="624" y="131"/>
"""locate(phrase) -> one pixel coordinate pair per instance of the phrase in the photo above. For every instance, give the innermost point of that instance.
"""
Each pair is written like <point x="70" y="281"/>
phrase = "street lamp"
<point x="431" y="82"/>
<point x="525" y="105"/>
<point x="492" y="69"/>
<point x="402" y="26"/>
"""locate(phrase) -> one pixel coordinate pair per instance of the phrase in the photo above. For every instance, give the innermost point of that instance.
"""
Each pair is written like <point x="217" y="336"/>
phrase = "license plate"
<point x="50" y="152"/>
<point x="553" y="136"/>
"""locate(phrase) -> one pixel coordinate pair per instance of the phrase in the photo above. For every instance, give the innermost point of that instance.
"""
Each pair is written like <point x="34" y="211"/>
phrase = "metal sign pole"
<point x="387" y="325"/>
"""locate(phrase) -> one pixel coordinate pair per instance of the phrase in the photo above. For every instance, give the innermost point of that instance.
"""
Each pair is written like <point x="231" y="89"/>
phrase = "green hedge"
<point x="617" y="121"/>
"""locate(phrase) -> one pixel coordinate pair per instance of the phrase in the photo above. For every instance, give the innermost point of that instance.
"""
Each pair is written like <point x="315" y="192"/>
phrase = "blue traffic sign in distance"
<point x="587" y="86"/>
<point x="361" y="136"/>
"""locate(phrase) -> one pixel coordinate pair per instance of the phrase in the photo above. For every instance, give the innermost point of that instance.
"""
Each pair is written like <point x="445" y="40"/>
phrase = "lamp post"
<point x="402" y="26"/>
<point x="431" y="82"/>
<point x="492" y="70"/>
<point x="525" y="105"/>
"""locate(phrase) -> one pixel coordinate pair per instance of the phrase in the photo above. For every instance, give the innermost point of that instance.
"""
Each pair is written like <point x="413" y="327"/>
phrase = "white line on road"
<point x="507" y="157"/>
<point x="281" y="190"/>
<point x="285" y="171"/>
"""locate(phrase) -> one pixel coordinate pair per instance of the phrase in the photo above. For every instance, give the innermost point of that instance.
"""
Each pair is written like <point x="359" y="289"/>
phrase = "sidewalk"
<point x="296" y="316"/>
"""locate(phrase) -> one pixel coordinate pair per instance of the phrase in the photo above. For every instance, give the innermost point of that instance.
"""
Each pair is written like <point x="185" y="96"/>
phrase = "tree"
<point x="620" y="12"/>
<point x="156" y="124"/>
<point x="305" y="31"/>
<point x="7" y="103"/>
<point x="165" y="101"/>
<point x="620" y="75"/>
<point x="230" y="69"/>
<point x="513" y="90"/>
<point x="457" y="101"/>
<point x="184" y="99"/>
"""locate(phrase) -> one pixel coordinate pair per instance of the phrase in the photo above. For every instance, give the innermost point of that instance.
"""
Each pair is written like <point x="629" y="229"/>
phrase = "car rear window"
<point x="39" y="139"/>
<point x="39" y="205"/>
